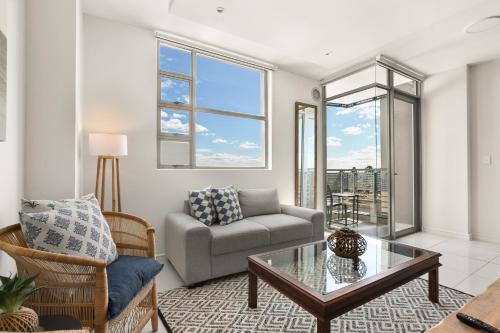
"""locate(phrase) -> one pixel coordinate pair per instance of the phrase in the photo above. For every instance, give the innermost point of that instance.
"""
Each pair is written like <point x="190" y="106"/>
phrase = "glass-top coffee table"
<point x="328" y="286"/>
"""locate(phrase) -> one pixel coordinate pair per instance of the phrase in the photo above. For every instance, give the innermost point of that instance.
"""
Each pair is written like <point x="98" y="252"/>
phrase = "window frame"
<point x="193" y="109"/>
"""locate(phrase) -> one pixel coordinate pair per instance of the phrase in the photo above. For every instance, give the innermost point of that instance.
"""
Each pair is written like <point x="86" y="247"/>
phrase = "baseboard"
<point x="160" y="255"/>
<point x="484" y="238"/>
<point x="447" y="233"/>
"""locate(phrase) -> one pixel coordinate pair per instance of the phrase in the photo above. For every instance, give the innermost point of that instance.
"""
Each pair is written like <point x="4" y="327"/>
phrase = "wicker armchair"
<point x="77" y="286"/>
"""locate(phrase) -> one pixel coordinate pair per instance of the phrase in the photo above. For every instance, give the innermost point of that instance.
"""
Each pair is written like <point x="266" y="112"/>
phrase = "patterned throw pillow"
<point x="38" y="206"/>
<point x="227" y="204"/>
<point x="76" y="227"/>
<point x="202" y="206"/>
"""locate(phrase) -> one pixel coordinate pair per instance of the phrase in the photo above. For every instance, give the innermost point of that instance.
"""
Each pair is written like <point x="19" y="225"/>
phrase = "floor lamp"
<point x="108" y="147"/>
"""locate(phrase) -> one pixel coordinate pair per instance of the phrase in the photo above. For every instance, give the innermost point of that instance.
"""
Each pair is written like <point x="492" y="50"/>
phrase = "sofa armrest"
<point x="316" y="217"/>
<point x="188" y="247"/>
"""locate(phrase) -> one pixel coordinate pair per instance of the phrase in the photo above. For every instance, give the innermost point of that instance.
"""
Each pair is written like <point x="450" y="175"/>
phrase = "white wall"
<point x="51" y="97"/>
<point x="78" y="98"/>
<point x="485" y="138"/>
<point x="445" y="153"/>
<point x="120" y="97"/>
<point x="11" y="151"/>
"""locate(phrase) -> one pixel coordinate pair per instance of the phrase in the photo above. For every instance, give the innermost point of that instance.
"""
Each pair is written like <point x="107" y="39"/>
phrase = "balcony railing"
<point x="370" y="184"/>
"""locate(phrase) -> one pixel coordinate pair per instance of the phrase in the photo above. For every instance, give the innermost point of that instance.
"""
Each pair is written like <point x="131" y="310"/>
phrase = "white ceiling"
<point x="295" y="35"/>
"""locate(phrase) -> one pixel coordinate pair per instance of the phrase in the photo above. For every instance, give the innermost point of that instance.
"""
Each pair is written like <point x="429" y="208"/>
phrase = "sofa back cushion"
<point x="259" y="201"/>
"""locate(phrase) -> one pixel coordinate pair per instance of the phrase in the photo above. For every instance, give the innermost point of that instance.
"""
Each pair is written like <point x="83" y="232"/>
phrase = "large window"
<point x="211" y="111"/>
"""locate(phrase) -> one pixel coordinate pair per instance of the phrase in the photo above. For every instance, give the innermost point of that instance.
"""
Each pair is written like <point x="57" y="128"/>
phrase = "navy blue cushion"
<point x="126" y="277"/>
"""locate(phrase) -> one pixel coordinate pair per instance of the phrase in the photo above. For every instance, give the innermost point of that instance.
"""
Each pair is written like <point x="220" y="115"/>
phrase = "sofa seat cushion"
<point x="127" y="275"/>
<point x="284" y="228"/>
<point x="238" y="236"/>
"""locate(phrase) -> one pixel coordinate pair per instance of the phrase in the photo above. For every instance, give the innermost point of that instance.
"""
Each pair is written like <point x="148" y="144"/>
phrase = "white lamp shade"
<point x="107" y="144"/>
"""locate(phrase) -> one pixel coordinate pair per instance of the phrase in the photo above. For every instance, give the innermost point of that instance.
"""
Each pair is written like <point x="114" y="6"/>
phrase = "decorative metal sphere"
<point x="347" y="243"/>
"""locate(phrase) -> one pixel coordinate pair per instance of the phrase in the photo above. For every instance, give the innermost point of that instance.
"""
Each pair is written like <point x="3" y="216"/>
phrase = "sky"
<point x="221" y="141"/>
<point x="228" y="141"/>
<point x="352" y="139"/>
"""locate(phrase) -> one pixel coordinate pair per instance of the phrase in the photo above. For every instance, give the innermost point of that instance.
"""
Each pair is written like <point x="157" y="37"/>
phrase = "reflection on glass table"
<point x="316" y="266"/>
<point x="346" y="270"/>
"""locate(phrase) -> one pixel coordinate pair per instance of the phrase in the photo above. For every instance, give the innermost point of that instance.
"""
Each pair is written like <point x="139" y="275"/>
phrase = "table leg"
<point x="323" y="325"/>
<point x="434" y="286"/>
<point x="252" y="290"/>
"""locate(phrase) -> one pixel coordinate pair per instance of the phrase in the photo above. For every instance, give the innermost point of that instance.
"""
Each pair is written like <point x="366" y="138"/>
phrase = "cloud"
<point x="332" y="141"/>
<point x="365" y="125"/>
<point x="178" y="115"/>
<point x="203" y="150"/>
<point x="364" y="111"/>
<point x="352" y="130"/>
<point x="219" y="140"/>
<point x="178" y="88"/>
<point x="167" y="83"/>
<point x="228" y="160"/>
<point x="345" y="111"/>
<point x="201" y="129"/>
<point x="174" y="126"/>
<point x="249" y="145"/>
<point x="360" y="159"/>
<point x="368" y="110"/>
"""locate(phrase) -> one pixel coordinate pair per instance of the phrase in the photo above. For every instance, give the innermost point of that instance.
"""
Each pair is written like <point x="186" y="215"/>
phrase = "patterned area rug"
<point x="221" y="306"/>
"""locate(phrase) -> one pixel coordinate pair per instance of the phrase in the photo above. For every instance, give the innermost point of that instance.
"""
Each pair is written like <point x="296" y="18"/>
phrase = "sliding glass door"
<point x="371" y="140"/>
<point x="404" y="158"/>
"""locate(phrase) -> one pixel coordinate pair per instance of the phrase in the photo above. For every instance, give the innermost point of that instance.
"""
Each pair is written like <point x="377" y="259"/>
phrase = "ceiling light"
<point x="220" y="9"/>
<point x="483" y="24"/>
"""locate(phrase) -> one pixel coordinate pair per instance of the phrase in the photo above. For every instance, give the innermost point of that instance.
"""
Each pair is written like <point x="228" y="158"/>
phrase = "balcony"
<point x="370" y="184"/>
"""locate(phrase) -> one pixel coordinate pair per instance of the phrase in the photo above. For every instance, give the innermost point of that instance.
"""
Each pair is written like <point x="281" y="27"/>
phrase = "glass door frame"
<point x="415" y="101"/>
<point x="392" y="94"/>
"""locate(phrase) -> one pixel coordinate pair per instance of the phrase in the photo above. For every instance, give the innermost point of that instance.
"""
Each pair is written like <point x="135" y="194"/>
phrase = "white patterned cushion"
<point x="75" y="227"/>
<point x="38" y="206"/>
<point x="202" y="206"/>
<point x="227" y="205"/>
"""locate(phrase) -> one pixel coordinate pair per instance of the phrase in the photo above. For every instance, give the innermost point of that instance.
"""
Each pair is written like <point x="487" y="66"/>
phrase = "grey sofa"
<point x="199" y="252"/>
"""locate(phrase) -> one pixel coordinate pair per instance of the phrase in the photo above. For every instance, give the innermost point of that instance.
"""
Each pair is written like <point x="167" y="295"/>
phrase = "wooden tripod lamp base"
<point x="116" y="200"/>
<point x="108" y="147"/>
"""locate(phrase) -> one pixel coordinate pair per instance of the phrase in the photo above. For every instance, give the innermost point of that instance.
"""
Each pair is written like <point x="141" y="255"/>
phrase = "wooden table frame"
<point x="329" y="306"/>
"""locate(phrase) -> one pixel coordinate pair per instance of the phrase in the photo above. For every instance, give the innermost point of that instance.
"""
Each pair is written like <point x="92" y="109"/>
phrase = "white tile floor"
<point x="469" y="266"/>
